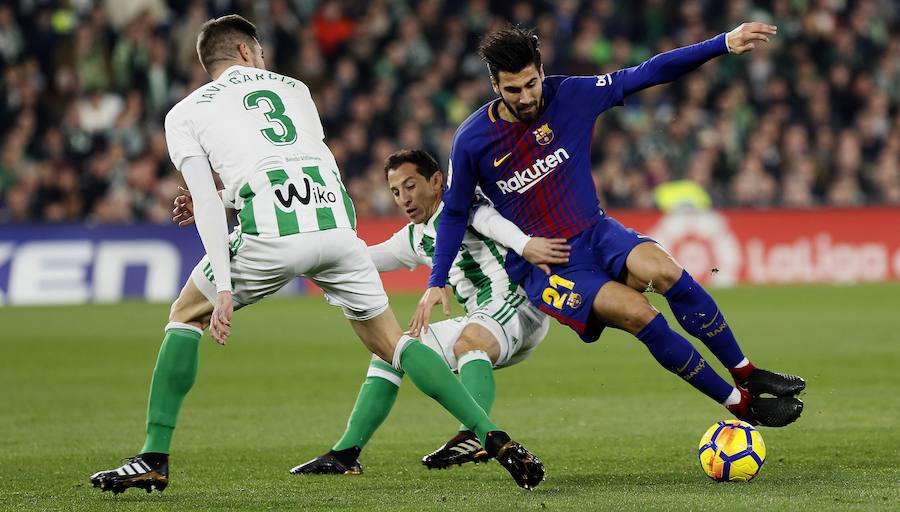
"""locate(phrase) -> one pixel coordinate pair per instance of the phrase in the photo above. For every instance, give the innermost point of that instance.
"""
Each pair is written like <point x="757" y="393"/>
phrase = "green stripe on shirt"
<point x="287" y="221"/>
<point x="324" y="216"/>
<point x="472" y="271"/>
<point x="246" y="218"/>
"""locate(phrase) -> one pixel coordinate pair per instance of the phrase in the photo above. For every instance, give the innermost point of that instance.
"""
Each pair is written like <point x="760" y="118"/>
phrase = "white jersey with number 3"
<point x="262" y="134"/>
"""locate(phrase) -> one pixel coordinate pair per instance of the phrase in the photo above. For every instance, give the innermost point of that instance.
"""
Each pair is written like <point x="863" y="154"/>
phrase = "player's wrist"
<point x="519" y="243"/>
<point x="437" y="283"/>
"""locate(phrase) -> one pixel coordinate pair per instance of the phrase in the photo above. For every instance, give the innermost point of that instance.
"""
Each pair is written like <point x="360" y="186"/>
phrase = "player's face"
<point x="521" y="92"/>
<point x="416" y="195"/>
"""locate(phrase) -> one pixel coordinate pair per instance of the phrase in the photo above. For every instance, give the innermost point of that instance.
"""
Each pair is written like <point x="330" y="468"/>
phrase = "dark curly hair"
<point x="511" y="49"/>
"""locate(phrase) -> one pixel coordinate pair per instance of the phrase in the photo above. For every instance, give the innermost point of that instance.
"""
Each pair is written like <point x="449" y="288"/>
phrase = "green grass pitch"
<point x="615" y="431"/>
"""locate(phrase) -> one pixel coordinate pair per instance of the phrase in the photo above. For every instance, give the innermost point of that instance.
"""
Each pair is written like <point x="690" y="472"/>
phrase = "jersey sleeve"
<point x="180" y="138"/>
<point x="396" y="252"/>
<point x="670" y="65"/>
<point x="597" y="94"/>
<point x="209" y="216"/>
<point x="461" y="179"/>
<point x="592" y="95"/>
<point x="488" y="221"/>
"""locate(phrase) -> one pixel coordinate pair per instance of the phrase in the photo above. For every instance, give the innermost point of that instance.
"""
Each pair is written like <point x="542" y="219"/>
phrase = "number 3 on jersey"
<point x="551" y="296"/>
<point x="288" y="132"/>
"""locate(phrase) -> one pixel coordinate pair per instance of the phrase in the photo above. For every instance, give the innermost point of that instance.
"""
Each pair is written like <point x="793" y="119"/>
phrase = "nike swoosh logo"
<point x="498" y="162"/>
<point x="704" y="326"/>
<point x="528" y="187"/>
<point x="683" y="368"/>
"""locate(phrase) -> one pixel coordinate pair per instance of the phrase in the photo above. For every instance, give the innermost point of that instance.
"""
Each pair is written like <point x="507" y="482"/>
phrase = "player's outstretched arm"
<point x="671" y="65"/>
<point x="384" y="259"/>
<point x="450" y="233"/>
<point x="540" y="252"/>
<point x="395" y="253"/>
<point x="209" y="215"/>
<point x="458" y="201"/>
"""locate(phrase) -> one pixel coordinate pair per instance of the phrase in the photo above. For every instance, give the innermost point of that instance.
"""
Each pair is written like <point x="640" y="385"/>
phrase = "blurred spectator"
<point x="810" y="119"/>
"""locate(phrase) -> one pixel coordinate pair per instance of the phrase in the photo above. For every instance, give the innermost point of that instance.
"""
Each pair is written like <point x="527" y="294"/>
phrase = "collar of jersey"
<point x="229" y="68"/>
<point x="431" y="224"/>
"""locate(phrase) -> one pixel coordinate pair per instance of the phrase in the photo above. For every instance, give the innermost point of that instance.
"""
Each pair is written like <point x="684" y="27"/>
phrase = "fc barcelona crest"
<point x="543" y="135"/>
<point x="574" y="301"/>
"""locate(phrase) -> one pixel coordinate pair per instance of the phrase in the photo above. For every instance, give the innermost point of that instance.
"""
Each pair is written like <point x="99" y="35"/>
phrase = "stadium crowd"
<point x="810" y="119"/>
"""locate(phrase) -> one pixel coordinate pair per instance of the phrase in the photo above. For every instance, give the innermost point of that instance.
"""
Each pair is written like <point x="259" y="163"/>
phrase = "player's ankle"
<point x="494" y="441"/>
<point x="742" y="370"/>
<point x="155" y="458"/>
<point x="347" y="456"/>
<point x="741" y="407"/>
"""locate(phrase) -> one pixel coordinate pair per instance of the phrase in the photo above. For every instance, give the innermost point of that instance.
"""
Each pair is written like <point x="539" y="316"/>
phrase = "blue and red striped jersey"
<point x="538" y="174"/>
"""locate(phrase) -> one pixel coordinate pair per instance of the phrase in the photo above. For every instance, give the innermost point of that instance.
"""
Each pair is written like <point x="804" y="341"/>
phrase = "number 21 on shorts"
<point x="551" y="294"/>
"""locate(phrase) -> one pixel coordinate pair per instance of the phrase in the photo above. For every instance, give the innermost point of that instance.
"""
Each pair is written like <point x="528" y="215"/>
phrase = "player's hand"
<point x="220" y="321"/>
<point x="183" y="214"/>
<point x="543" y="252"/>
<point x="747" y="35"/>
<point x="420" y="319"/>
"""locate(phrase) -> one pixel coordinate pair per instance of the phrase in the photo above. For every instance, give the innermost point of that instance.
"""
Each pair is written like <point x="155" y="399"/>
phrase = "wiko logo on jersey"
<point x="288" y="194"/>
<point x="523" y="180"/>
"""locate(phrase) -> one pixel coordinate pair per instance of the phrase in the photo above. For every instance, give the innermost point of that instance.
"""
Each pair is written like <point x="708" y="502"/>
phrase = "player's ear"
<point x="495" y="85"/>
<point x="437" y="180"/>
<point x="541" y="72"/>
<point x="245" y="52"/>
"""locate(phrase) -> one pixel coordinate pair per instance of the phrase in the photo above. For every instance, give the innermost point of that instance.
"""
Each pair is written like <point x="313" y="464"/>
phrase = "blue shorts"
<point x="598" y="255"/>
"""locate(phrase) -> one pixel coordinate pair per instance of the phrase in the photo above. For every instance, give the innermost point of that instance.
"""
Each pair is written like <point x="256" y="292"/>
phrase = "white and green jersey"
<point x="262" y="134"/>
<point x="478" y="274"/>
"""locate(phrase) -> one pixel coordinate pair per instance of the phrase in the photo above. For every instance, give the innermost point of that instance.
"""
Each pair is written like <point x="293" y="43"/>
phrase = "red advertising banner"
<point x="728" y="247"/>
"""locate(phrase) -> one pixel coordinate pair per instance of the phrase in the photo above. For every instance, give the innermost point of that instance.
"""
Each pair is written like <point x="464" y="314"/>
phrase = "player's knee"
<point x="640" y="313"/>
<point x="178" y="312"/>
<point x="175" y="312"/>
<point x="468" y="343"/>
<point x="667" y="274"/>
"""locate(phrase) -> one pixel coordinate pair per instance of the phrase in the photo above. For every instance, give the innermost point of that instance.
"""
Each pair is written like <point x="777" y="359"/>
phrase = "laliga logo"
<point x="701" y="241"/>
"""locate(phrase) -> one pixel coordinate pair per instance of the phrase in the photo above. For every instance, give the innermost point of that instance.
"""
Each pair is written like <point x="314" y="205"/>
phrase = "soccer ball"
<point x="732" y="451"/>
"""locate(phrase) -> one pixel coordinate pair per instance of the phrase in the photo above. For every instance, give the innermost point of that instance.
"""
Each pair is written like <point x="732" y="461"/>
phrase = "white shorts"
<point x="336" y="260"/>
<point x="517" y="326"/>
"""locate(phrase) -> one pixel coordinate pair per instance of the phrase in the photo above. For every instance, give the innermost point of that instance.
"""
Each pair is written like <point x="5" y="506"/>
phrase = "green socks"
<point x="379" y="392"/>
<point x="375" y="400"/>
<point x="430" y="374"/>
<point x="173" y="377"/>
<point x="477" y="375"/>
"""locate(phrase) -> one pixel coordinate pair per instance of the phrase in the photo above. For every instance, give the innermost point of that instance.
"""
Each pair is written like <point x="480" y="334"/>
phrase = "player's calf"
<point x="148" y="471"/>
<point x="621" y="307"/>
